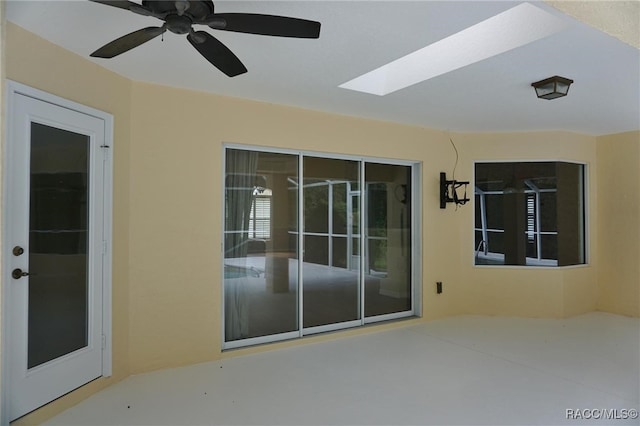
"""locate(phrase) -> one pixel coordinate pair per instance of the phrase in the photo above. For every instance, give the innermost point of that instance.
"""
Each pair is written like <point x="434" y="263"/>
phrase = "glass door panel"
<point x="330" y="286"/>
<point x="388" y="239"/>
<point x="339" y="211"/>
<point x="354" y="228"/>
<point x="348" y="238"/>
<point x="260" y="248"/>
<point x="58" y="219"/>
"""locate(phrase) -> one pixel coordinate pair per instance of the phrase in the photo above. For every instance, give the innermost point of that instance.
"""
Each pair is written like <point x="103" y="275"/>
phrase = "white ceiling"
<point x="359" y="36"/>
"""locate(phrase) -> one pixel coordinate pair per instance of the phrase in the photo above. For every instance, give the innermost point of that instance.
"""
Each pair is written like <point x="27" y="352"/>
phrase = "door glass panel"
<point x="388" y="239"/>
<point x="339" y="252"/>
<point x="58" y="316"/>
<point x="316" y="206"/>
<point x="339" y="211"/>
<point x="331" y="286"/>
<point x="260" y="244"/>
<point x="355" y="237"/>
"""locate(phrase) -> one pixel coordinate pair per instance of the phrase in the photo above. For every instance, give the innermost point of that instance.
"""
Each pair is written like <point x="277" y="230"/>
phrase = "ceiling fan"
<point x="179" y="16"/>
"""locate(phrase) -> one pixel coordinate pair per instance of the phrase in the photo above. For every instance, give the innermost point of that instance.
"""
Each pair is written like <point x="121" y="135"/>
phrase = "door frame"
<point x="14" y="89"/>
<point x="415" y="244"/>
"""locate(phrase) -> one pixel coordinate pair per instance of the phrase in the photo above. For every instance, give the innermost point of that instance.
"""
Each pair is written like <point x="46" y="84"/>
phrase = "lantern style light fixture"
<point x="552" y="87"/>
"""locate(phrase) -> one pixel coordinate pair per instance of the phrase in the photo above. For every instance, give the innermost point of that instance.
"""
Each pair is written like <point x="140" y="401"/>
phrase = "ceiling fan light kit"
<point x="552" y="87"/>
<point x="179" y="16"/>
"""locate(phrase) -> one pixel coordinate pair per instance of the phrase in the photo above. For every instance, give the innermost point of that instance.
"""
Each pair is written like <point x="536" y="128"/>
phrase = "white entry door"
<point x="56" y="241"/>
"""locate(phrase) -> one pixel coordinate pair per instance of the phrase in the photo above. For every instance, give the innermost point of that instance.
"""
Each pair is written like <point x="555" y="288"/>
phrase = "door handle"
<point x="18" y="273"/>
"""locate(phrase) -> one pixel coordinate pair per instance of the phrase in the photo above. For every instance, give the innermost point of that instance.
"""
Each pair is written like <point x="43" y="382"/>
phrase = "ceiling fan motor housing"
<point x="178" y="24"/>
<point x="197" y="9"/>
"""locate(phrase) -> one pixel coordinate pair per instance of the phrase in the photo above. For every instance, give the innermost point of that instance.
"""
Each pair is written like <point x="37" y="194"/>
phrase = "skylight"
<point x="506" y="31"/>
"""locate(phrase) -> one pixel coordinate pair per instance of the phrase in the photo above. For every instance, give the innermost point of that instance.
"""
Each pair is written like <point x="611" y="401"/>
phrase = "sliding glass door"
<point x="314" y="243"/>
<point x="331" y="272"/>
<point x="388" y="239"/>
<point x="260" y="258"/>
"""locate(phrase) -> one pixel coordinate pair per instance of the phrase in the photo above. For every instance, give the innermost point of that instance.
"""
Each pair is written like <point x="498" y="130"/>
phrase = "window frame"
<point x="586" y="238"/>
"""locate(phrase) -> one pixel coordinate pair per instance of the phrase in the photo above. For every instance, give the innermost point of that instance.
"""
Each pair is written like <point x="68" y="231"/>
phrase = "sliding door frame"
<point x="415" y="235"/>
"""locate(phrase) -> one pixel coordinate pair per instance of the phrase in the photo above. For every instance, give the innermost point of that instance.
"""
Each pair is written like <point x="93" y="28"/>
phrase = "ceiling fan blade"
<point x="217" y="53"/>
<point x="122" y="4"/>
<point x="270" y="25"/>
<point x="128" y="42"/>
<point x="128" y="5"/>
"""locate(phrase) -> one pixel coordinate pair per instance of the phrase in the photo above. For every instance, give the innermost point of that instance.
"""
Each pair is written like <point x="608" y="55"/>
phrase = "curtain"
<point x="240" y="183"/>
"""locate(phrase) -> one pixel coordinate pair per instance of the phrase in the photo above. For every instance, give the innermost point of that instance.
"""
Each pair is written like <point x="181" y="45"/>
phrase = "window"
<point x="529" y="213"/>
<point x="315" y="243"/>
<point x="260" y="215"/>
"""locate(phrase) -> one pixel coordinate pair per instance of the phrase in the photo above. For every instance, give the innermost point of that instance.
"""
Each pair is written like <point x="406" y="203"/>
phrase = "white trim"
<point x="321" y="154"/>
<point x="222" y="227"/>
<point x="417" y="285"/>
<point x="528" y="160"/>
<point x="260" y="340"/>
<point x="331" y="327"/>
<point x="363" y="228"/>
<point x="394" y="294"/>
<point x="388" y="317"/>
<point x="300" y="247"/>
<point x="12" y="90"/>
<point x="6" y="215"/>
<point x="586" y="205"/>
<point x="107" y="238"/>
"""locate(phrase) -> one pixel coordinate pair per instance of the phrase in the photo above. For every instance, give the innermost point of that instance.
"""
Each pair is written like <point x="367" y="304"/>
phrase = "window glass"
<point x="529" y="213"/>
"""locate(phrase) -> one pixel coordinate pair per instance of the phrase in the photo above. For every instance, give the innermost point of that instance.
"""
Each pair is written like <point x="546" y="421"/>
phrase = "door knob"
<point x="18" y="273"/>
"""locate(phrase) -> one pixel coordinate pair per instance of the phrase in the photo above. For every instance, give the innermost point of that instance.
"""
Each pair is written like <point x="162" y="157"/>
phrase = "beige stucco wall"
<point x="619" y="225"/>
<point x="176" y="166"/>
<point x="167" y="208"/>
<point x="534" y="291"/>
<point x="176" y="170"/>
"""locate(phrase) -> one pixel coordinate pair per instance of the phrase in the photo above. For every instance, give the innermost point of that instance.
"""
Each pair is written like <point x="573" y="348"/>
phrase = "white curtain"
<point x="240" y="183"/>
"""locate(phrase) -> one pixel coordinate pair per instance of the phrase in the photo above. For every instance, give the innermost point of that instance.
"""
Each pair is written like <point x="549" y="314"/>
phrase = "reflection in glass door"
<point x="331" y="294"/>
<point x="260" y="257"/>
<point x="58" y="285"/>
<point x="389" y="245"/>
<point x="314" y="244"/>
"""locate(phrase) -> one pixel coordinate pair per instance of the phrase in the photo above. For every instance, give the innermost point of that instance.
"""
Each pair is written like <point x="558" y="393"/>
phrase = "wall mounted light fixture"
<point x="449" y="191"/>
<point x="552" y="87"/>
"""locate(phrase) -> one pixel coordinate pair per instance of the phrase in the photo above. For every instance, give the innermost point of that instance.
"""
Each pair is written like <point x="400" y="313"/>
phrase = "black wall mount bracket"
<point x="449" y="191"/>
